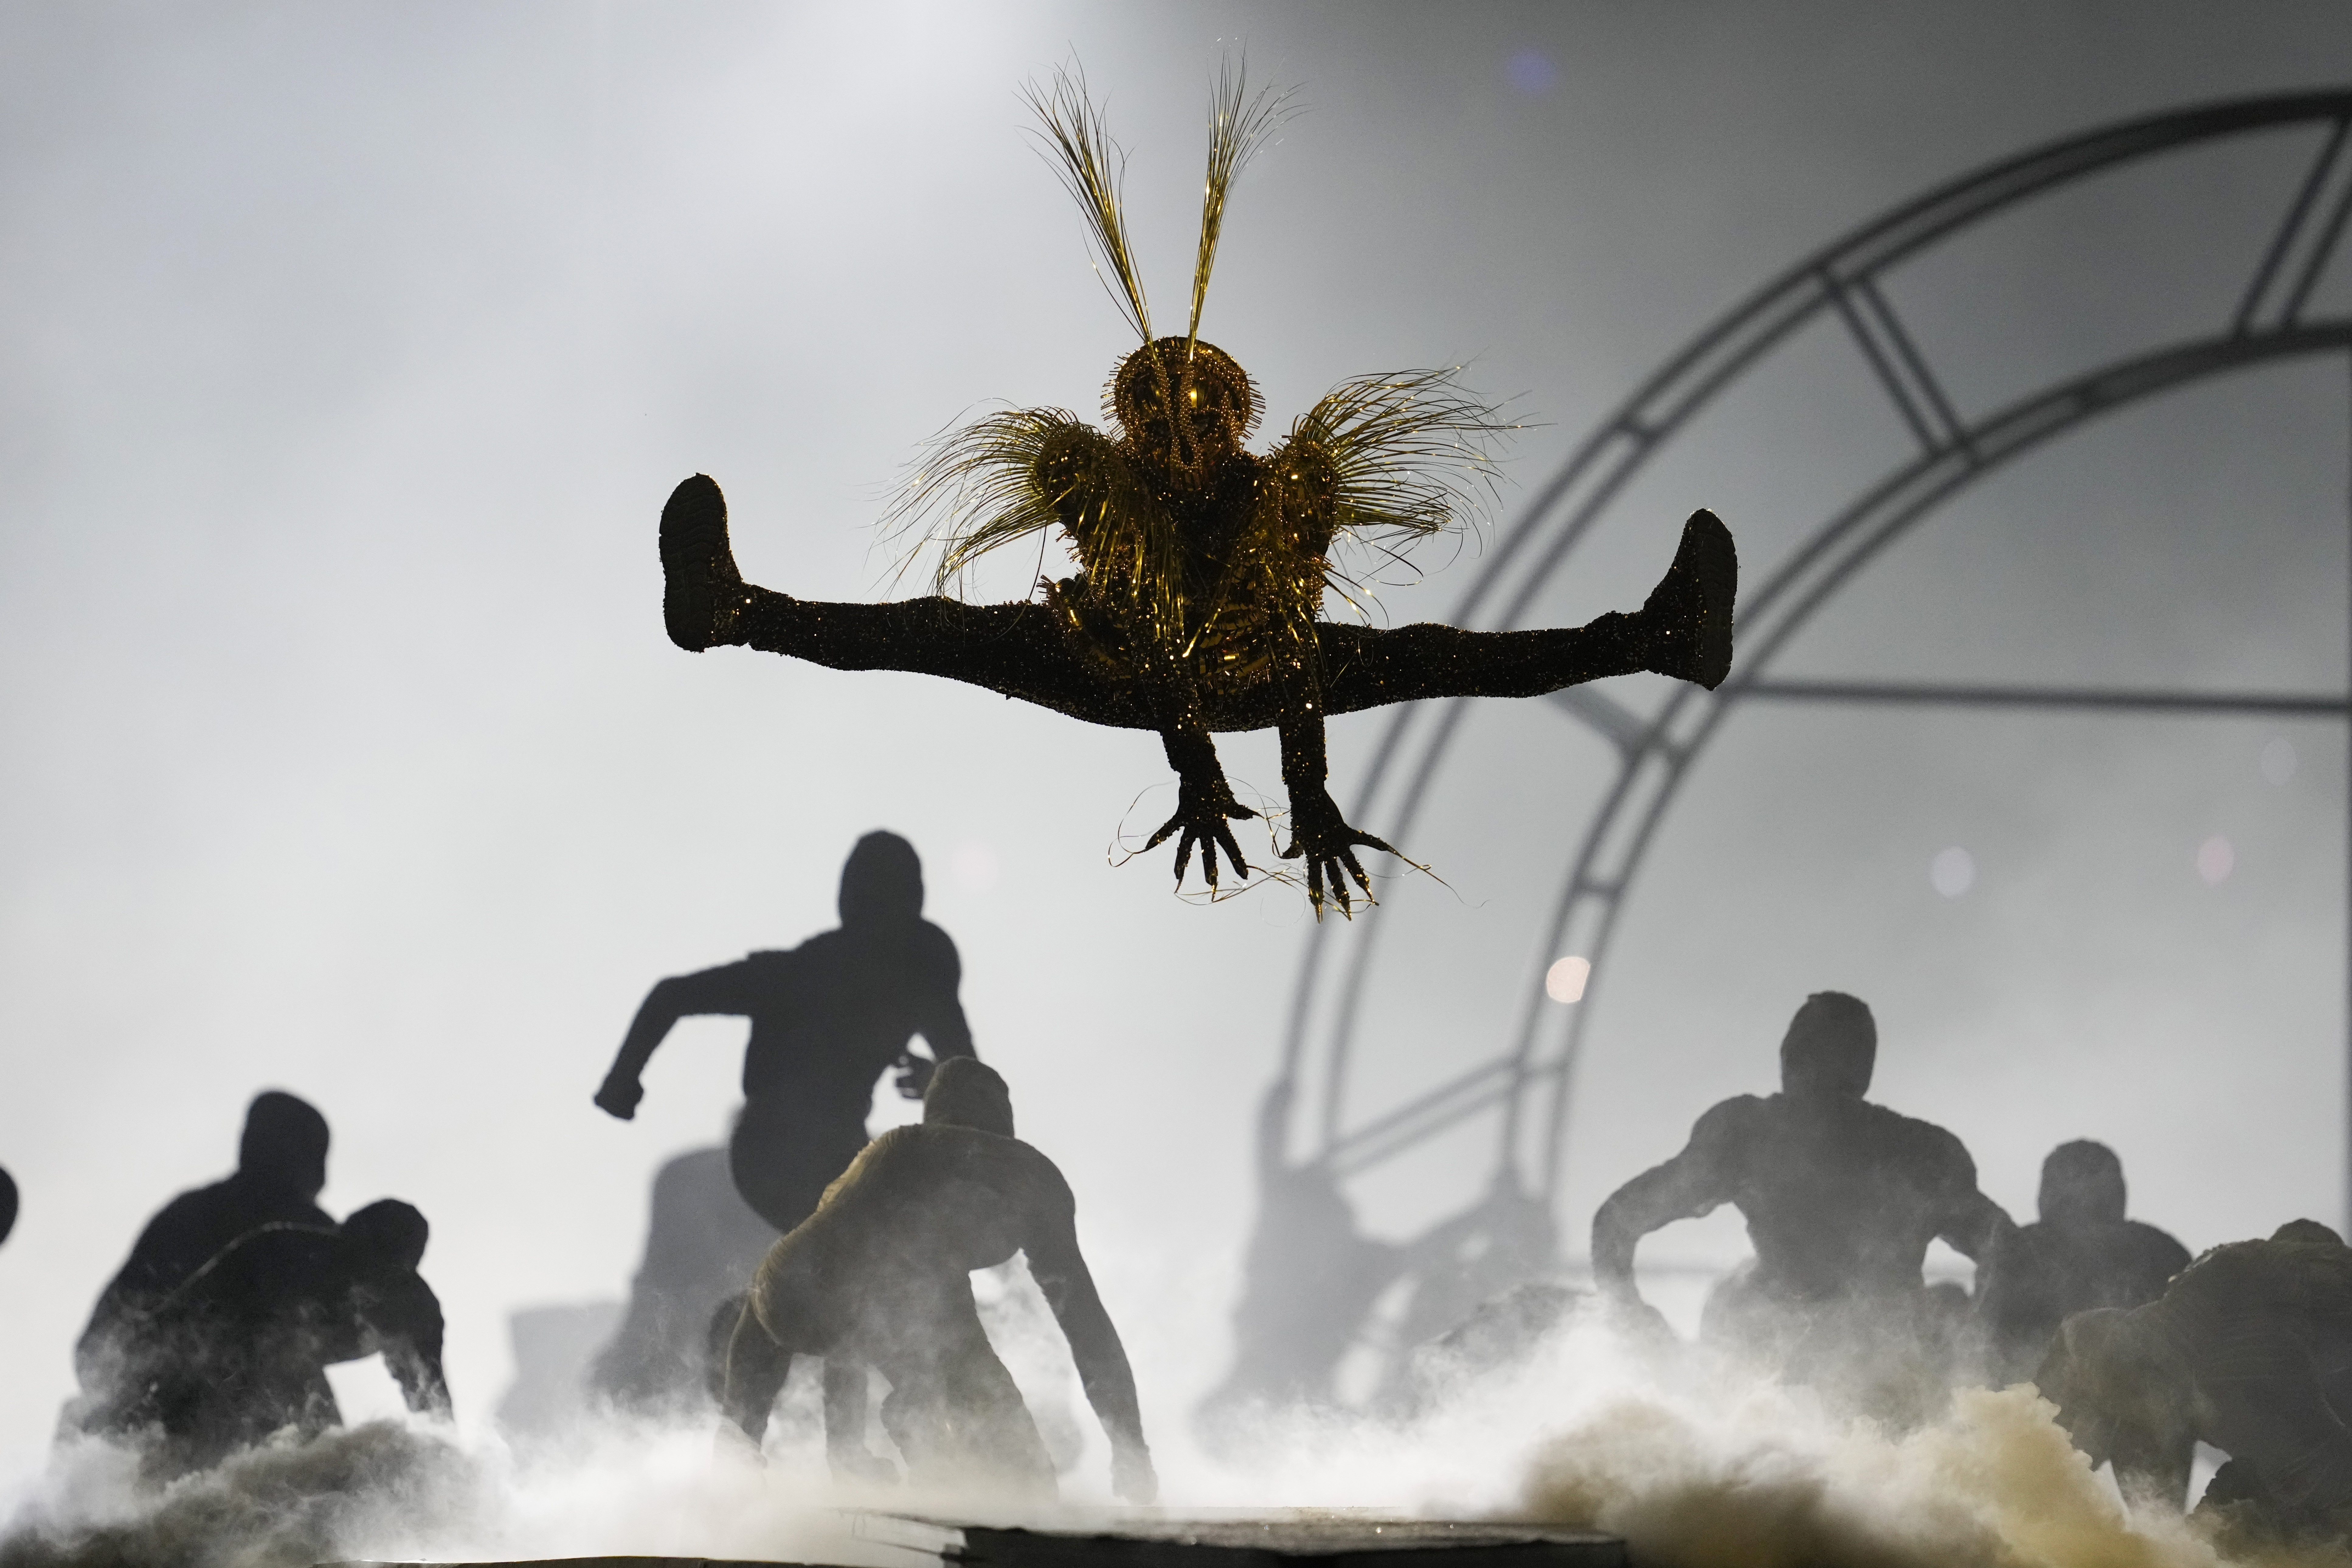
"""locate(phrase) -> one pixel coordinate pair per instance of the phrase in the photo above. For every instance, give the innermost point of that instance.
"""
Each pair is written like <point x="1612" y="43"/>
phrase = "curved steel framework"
<point x="1530" y="1078"/>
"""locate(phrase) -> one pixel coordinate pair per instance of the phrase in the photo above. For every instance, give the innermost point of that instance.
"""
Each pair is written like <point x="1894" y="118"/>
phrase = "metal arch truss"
<point x="1531" y="1079"/>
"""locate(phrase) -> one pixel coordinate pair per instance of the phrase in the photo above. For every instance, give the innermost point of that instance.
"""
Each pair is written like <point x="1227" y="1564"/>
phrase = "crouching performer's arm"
<point x="757" y="1366"/>
<point x="382" y="1245"/>
<point x="412" y="1354"/>
<point x="1061" y="1274"/>
<point x="1687" y="1187"/>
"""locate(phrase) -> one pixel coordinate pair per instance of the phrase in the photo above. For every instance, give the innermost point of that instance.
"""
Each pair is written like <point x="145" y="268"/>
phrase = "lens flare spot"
<point x="1953" y="872"/>
<point x="2278" y="760"/>
<point x="1530" y="71"/>
<point x="1564" y="981"/>
<point x="2215" y="858"/>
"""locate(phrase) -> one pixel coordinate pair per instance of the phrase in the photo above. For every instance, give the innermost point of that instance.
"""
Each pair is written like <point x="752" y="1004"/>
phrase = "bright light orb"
<point x="2215" y="858"/>
<point x="1953" y="872"/>
<point x="1564" y="981"/>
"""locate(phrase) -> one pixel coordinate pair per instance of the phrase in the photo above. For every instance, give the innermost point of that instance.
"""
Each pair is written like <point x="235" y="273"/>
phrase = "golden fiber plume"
<point x="1090" y="166"/>
<point x="1236" y="129"/>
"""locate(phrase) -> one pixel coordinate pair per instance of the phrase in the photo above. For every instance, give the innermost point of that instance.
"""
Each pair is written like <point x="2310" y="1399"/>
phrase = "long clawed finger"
<point x="1232" y="850"/>
<point x="1183" y="855"/>
<point x="1340" y="892"/>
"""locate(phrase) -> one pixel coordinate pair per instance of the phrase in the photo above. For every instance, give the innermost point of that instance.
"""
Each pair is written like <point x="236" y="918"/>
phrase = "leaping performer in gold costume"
<point x="1204" y="567"/>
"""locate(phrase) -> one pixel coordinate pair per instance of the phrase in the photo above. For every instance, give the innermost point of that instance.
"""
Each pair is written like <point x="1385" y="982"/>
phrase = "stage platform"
<point x="1140" y="1539"/>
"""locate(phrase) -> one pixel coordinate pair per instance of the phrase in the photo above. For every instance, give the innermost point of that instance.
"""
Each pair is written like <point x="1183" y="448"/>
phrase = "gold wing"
<point x="1008" y="476"/>
<point x="1380" y="464"/>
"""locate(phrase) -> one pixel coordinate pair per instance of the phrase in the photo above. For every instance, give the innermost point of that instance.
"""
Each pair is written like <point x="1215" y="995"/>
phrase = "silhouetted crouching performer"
<point x="1198" y="608"/>
<point x="882" y="1272"/>
<point x="239" y="1350"/>
<point x="281" y="1168"/>
<point x="2249" y="1350"/>
<point x="702" y="1242"/>
<point x="1308" y="1281"/>
<point x="1841" y="1198"/>
<point x="828" y="1017"/>
<point x="2081" y="1254"/>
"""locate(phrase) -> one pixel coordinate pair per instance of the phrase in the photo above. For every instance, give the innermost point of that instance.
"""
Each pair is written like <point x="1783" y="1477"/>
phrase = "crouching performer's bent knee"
<point x="881" y="1273"/>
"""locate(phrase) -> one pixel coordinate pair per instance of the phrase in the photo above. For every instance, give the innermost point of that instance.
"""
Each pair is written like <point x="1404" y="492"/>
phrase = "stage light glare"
<point x="1564" y="981"/>
<point x="1953" y="872"/>
<point x="2215" y="858"/>
<point x="2278" y="760"/>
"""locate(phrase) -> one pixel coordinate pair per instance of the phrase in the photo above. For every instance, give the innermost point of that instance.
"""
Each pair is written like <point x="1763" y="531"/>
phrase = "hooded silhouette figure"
<point x="281" y="1168"/>
<point x="883" y="1271"/>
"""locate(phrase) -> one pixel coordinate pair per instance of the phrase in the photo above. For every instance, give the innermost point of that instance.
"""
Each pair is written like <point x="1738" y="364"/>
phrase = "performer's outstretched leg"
<point x="1014" y="649"/>
<point x="1683" y="631"/>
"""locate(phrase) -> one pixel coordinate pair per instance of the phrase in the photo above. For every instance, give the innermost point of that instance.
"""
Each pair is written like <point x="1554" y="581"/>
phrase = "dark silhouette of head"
<point x="285" y="1142"/>
<point x="7" y="1205"/>
<point x="2082" y="1184"/>
<point x="388" y="1233"/>
<point x="882" y="881"/>
<point x="2306" y="1233"/>
<point x="1830" y="1049"/>
<point x="967" y="1092"/>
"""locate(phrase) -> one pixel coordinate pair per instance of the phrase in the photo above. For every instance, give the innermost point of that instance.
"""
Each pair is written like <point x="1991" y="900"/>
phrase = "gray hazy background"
<point x="348" y="353"/>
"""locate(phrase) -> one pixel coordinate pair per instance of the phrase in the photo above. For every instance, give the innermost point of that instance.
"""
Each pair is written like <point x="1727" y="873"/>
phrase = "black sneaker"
<point x="1688" y="614"/>
<point x="701" y="591"/>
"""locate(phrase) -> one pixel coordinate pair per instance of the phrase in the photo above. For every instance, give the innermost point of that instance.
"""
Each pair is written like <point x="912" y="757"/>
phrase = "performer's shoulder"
<point x="2156" y="1244"/>
<point x="1735" y="1118"/>
<point x="1922" y="1137"/>
<point x="935" y="945"/>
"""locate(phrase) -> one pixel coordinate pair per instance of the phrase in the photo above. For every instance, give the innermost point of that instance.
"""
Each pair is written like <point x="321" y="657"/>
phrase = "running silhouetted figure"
<point x="2081" y="1254"/>
<point x="240" y="1349"/>
<point x="2250" y="1350"/>
<point x="281" y="1168"/>
<point x="1841" y="1198"/>
<point x="882" y="1272"/>
<point x="827" y="1017"/>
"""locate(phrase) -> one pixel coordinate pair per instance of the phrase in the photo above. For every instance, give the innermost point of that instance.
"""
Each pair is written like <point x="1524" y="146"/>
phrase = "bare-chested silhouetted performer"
<point x="281" y="1168"/>
<point x="827" y="1017"/>
<point x="702" y="1242"/>
<point x="2250" y="1349"/>
<point x="240" y="1349"/>
<point x="882" y="1272"/>
<point x="2081" y="1254"/>
<point x="1841" y="1197"/>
